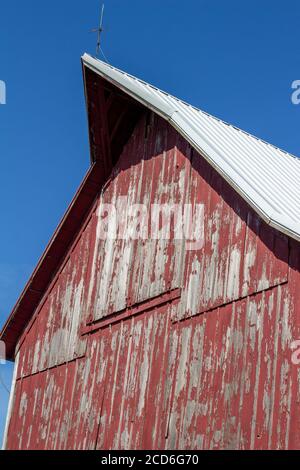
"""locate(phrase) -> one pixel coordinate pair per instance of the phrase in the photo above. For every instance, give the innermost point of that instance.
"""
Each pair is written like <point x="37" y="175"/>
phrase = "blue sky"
<point x="236" y="60"/>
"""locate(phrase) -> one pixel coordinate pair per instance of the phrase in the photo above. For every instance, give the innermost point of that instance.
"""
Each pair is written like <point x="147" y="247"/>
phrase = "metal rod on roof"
<point x="99" y="30"/>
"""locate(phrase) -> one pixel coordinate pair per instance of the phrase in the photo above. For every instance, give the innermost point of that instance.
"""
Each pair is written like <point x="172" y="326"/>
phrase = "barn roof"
<point x="265" y="176"/>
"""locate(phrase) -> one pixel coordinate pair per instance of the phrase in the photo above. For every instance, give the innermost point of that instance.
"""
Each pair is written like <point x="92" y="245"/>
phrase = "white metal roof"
<point x="266" y="177"/>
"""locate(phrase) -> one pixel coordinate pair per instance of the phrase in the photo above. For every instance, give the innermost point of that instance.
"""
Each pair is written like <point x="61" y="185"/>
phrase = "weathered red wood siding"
<point x="205" y="364"/>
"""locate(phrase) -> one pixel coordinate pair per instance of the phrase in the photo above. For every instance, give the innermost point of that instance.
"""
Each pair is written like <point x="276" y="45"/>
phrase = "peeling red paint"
<point x="112" y="359"/>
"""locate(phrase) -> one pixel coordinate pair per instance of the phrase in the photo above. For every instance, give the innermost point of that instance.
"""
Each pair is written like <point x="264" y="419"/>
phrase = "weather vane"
<point x="99" y="30"/>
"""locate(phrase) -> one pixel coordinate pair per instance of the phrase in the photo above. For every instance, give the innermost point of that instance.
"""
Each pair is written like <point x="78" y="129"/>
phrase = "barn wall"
<point x="146" y="344"/>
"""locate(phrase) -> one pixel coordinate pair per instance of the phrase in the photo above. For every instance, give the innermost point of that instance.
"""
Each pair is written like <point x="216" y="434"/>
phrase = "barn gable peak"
<point x="115" y="100"/>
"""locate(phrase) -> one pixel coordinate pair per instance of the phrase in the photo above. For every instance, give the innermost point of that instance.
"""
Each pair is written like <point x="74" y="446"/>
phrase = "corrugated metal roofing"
<point x="266" y="177"/>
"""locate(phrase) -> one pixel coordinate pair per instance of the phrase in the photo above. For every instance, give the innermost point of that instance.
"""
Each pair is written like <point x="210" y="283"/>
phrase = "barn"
<point x="163" y="339"/>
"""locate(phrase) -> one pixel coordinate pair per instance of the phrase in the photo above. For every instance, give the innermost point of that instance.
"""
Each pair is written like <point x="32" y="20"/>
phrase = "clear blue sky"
<point x="234" y="59"/>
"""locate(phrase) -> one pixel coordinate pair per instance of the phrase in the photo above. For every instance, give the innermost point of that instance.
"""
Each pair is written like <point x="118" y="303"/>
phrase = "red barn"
<point x="164" y="342"/>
